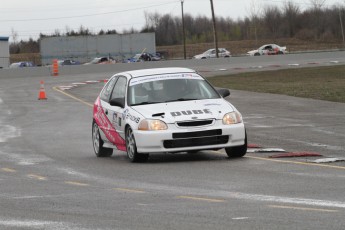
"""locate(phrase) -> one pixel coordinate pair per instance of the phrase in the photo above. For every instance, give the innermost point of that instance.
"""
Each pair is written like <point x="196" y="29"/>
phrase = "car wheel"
<point x="131" y="148"/>
<point x="97" y="142"/>
<point x="257" y="54"/>
<point x="280" y="52"/>
<point x="237" y="151"/>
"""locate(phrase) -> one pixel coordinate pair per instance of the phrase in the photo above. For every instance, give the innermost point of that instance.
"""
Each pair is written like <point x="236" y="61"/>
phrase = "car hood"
<point x="252" y="51"/>
<point x="199" y="56"/>
<point x="186" y="110"/>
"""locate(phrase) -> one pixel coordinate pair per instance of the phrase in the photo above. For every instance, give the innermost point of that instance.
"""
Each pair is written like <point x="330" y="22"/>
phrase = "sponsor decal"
<point x="141" y="80"/>
<point x="126" y="115"/>
<point x="190" y="112"/>
<point x="107" y="127"/>
<point x="114" y="118"/>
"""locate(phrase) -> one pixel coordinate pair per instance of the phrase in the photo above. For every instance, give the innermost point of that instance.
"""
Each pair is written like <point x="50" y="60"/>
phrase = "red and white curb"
<point x="281" y="153"/>
<point x="76" y="84"/>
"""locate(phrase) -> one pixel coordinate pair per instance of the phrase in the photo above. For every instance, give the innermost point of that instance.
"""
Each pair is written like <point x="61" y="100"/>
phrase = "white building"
<point x="4" y="52"/>
<point x="85" y="48"/>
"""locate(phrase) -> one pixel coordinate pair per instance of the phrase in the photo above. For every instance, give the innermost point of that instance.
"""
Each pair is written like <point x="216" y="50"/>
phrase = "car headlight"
<point x="232" y="118"/>
<point x="150" y="124"/>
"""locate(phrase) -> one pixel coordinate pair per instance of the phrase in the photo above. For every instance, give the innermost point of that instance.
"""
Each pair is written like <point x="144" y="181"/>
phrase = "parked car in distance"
<point x="268" y="49"/>
<point x="68" y="62"/>
<point x="22" y="64"/>
<point x="144" y="57"/>
<point x="211" y="53"/>
<point x="102" y="60"/>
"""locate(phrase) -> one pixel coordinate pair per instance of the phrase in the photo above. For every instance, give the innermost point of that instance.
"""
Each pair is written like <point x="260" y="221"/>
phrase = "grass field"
<point x="322" y="83"/>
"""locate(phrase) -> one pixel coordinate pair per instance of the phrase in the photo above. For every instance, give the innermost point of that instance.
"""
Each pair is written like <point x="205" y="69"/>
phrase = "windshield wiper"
<point x="183" y="99"/>
<point x="147" y="103"/>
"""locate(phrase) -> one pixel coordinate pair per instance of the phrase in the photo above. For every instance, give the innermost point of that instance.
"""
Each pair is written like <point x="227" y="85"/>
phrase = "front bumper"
<point x="187" y="139"/>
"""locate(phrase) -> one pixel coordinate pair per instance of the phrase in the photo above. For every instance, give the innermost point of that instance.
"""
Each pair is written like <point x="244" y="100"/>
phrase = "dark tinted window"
<point x="120" y="88"/>
<point x="106" y="92"/>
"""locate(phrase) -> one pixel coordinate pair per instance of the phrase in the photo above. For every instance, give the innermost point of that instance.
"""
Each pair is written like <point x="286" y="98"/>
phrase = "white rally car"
<point x="165" y="110"/>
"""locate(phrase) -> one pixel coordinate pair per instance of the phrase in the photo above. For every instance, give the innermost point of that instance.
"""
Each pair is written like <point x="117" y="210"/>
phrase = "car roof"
<point x="156" y="71"/>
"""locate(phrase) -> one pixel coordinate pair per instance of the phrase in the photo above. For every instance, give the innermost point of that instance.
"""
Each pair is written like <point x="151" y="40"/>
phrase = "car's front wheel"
<point x="131" y="148"/>
<point x="237" y="151"/>
<point x="97" y="142"/>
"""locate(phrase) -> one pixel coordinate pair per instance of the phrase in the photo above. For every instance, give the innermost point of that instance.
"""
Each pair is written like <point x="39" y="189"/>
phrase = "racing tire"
<point x="237" y="151"/>
<point x="97" y="143"/>
<point x="257" y="54"/>
<point x="131" y="148"/>
<point x="280" y="52"/>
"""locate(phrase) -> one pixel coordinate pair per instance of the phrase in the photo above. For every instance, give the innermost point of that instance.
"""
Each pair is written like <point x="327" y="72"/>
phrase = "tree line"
<point x="318" y="23"/>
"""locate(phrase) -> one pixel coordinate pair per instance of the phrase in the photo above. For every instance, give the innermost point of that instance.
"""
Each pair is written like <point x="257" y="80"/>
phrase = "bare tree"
<point x="317" y="4"/>
<point x="272" y="18"/>
<point x="14" y="36"/>
<point x="317" y="10"/>
<point x="291" y="12"/>
<point x="255" y="14"/>
<point x="152" y="20"/>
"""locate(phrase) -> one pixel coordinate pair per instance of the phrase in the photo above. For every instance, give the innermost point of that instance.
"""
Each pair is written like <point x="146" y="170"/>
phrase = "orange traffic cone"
<point x="55" y="67"/>
<point x="42" y="93"/>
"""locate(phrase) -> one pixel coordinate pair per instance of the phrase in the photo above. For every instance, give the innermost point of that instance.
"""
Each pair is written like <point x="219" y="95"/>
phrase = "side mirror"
<point x="120" y="102"/>
<point x="224" y="92"/>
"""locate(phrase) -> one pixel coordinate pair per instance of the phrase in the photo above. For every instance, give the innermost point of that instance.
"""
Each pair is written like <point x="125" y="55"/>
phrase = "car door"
<point x="114" y="113"/>
<point x="212" y="54"/>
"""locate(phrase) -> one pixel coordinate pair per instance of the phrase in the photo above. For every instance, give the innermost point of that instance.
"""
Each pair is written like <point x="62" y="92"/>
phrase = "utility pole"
<point x="214" y="29"/>
<point x="184" y="33"/>
<point x="341" y="26"/>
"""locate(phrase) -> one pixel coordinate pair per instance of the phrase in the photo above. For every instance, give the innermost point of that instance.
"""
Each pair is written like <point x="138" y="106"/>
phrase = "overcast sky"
<point x="29" y="18"/>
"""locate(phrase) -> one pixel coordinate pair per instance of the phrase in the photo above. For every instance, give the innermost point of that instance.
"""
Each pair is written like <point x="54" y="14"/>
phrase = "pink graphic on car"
<point x="106" y="126"/>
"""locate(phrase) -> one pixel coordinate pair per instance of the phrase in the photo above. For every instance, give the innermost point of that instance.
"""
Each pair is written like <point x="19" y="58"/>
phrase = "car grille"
<point x="207" y="133"/>
<point x="194" y="123"/>
<point x="198" y="138"/>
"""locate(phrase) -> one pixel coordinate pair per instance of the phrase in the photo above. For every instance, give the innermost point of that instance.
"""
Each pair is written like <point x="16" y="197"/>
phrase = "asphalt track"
<point x="50" y="178"/>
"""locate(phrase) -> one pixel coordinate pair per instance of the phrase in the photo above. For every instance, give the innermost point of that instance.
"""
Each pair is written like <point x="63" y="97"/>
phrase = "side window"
<point x="120" y="88"/>
<point x="105" y="95"/>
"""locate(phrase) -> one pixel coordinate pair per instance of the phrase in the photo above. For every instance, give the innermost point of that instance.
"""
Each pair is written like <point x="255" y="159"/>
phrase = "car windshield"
<point x="148" y="90"/>
<point x="95" y="61"/>
<point x="137" y="56"/>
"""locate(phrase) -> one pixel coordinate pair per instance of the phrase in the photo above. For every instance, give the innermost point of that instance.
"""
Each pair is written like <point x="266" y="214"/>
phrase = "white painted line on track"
<point x="8" y="131"/>
<point x="266" y="150"/>
<point x="79" y="83"/>
<point x="328" y="160"/>
<point x="280" y="199"/>
<point x="240" y="218"/>
<point x="302" y="208"/>
<point x="33" y="224"/>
